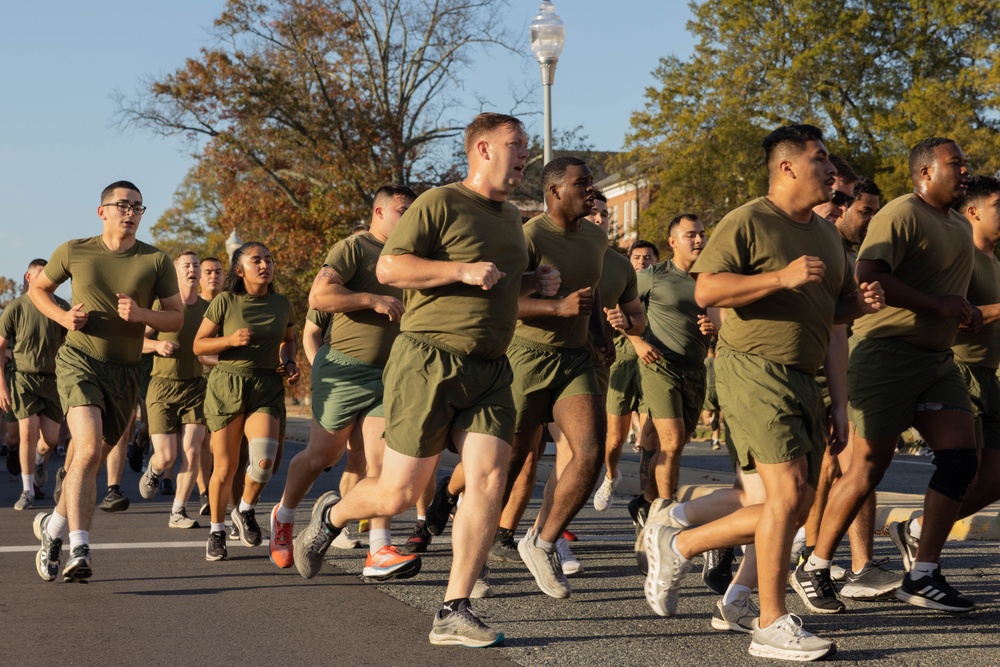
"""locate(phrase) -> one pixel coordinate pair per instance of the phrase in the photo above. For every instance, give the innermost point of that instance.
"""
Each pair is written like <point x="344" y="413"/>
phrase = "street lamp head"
<point x="233" y="244"/>
<point x="548" y="33"/>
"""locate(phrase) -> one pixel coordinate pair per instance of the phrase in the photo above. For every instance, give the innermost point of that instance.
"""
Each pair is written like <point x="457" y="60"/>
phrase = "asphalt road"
<point x="154" y="600"/>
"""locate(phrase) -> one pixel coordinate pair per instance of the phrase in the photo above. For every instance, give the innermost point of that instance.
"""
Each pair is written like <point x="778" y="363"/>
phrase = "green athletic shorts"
<point x="673" y="390"/>
<point x="431" y="390"/>
<point x="774" y="412"/>
<point x="145" y="375"/>
<point x="711" y="395"/>
<point x="984" y="391"/>
<point x="34" y="394"/>
<point x="234" y="391"/>
<point x="543" y="375"/>
<point x="889" y="380"/>
<point x="344" y="388"/>
<point x="111" y="386"/>
<point x="170" y="403"/>
<point x="624" y="387"/>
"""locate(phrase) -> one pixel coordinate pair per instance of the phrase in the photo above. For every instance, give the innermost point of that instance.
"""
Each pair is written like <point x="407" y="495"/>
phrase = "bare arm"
<point x="329" y="295"/>
<point x="835" y="367"/>
<point x="170" y="317"/>
<point x="5" y="402"/>
<point x="312" y="340"/>
<point x="289" y="348"/>
<point x="732" y="290"/>
<point x="42" y="293"/>
<point x="208" y="341"/>
<point x="412" y="272"/>
<point x="624" y="314"/>
<point x="901" y="295"/>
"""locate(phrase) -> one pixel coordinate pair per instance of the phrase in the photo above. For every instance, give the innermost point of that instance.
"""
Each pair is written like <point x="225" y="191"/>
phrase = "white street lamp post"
<point x="548" y="33"/>
<point x="233" y="244"/>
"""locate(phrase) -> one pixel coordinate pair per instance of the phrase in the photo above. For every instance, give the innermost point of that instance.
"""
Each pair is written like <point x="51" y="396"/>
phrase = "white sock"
<point x="677" y="512"/>
<point x="378" y="538"/>
<point x="915" y="529"/>
<point x="733" y="592"/>
<point x="77" y="538"/>
<point x="177" y="506"/>
<point x="422" y="517"/>
<point x="922" y="569"/>
<point x="816" y="563"/>
<point x="244" y="505"/>
<point x="39" y="459"/>
<point x="218" y="527"/>
<point x="27" y="481"/>
<point x="284" y="515"/>
<point x="56" y="525"/>
<point x="673" y="547"/>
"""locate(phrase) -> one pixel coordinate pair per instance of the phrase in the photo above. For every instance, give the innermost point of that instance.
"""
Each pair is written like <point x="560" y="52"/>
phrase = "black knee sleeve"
<point x="954" y="471"/>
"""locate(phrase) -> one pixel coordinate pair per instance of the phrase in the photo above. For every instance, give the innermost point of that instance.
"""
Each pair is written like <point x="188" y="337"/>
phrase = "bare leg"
<point x="79" y="489"/>
<point x="192" y="436"/>
<point x="323" y="450"/>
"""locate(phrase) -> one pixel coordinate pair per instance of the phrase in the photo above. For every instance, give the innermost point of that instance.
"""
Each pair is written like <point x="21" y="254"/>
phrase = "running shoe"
<point x="348" y="539"/>
<point x="463" y="628"/>
<point x="716" y="445"/>
<point x="874" y="582"/>
<point x="321" y="502"/>
<point x="717" y="573"/>
<point x="666" y="569"/>
<point x="41" y="476"/>
<point x="605" y="495"/>
<point x="49" y="558"/>
<point x="482" y="588"/>
<point x="816" y="590"/>
<point x="280" y="546"/>
<point x="786" y="640"/>
<point x="933" y="592"/>
<point x="134" y="456"/>
<point x="544" y="567"/>
<point x="234" y="532"/>
<point x="638" y="512"/>
<point x="78" y="567"/>
<point x="419" y="539"/>
<point x="312" y="543"/>
<point x="167" y="487"/>
<point x="14" y="460"/>
<point x="25" y="502"/>
<point x="388" y="563"/>
<point x="569" y="562"/>
<point x="114" y="501"/>
<point x="569" y="535"/>
<point x="57" y="491"/>
<point x="216" y="547"/>
<point x="180" y="519"/>
<point x="441" y="507"/>
<point x="246" y="524"/>
<point x="504" y="547"/>
<point x="899" y="533"/>
<point x="658" y="513"/>
<point x="206" y="508"/>
<point x="737" y="616"/>
<point x="149" y="483"/>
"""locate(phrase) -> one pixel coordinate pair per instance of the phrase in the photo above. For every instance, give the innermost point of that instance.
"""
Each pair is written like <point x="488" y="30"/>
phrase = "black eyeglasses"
<point x="125" y="207"/>
<point x="841" y="199"/>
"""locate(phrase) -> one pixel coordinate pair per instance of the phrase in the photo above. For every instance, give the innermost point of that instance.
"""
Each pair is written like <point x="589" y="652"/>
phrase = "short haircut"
<point x="980" y="187"/>
<point x="676" y="221"/>
<point x="866" y="186"/>
<point x="212" y="259"/>
<point x="485" y="123"/>
<point x="844" y="170"/>
<point x="599" y="196"/>
<point x="643" y="244"/>
<point x="124" y="185"/>
<point x="35" y="263"/>
<point x="922" y="155"/>
<point x="789" y="136"/>
<point x="390" y="190"/>
<point x="186" y="251"/>
<point x="555" y="170"/>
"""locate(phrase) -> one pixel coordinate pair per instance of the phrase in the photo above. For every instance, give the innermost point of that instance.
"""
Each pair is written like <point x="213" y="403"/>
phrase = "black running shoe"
<point x="246" y="524"/>
<point x="216" y="547"/>
<point x="419" y="540"/>
<point x="166" y="487"/>
<point x="504" y="548"/>
<point x="206" y="508"/>
<point x="718" y="570"/>
<point x="57" y="491"/>
<point x="441" y="508"/>
<point x="638" y="510"/>
<point x="13" y="460"/>
<point x="933" y="592"/>
<point x="816" y="590"/>
<point x="899" y="533"/>
<point x="134" y="456"/>
<point x="114" y="501"/>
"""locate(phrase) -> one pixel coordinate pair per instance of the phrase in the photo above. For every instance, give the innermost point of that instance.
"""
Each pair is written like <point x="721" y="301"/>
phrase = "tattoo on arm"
<point x="327" y="274"/>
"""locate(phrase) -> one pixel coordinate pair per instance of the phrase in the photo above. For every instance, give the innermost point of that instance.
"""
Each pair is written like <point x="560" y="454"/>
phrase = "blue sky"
<point x="62" y="61"/>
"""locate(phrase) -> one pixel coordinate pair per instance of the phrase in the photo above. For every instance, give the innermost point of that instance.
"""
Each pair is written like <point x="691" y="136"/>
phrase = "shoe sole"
<point x="205" y="510"/>
<point x="193" y="524"/>
<point x="807" y="602"/>
<point x="452" y="640"/>
<point x="77" y="573"/>
<point x="403" y="571"/>
<point x="765" y="651"/>
<point x="870" y="595"/>
<point x="144" y="488"/>
<point x="558" y="594"/>
<point x="920" y="601"/>
<point x="504" y="558"/>
<point x="436" y="529"/>
<point x="723" y="625"/>
<point x="36" y="527"/>
<point x="896" y="535"/>
<point x="213" y="559"/>
<point x="415" y="549"/>
<point x="572" y="571"/>
<point x="651" y="543"/>
<point x="239" y="529"/>
<point x="117" y="506"/>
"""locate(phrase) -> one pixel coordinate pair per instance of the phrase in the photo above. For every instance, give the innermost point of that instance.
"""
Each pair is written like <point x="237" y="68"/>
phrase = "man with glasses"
<point x="116" y="278"/>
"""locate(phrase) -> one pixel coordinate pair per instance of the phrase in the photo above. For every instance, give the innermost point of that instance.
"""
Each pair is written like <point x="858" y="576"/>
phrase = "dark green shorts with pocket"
<point x="170" y="403"/>
<point x="343" y="389"/>
<point x="111" y="386"/>
<point x="234" y="391"/>
<point x="34" y="394"/>
<point x="544" y="374"/>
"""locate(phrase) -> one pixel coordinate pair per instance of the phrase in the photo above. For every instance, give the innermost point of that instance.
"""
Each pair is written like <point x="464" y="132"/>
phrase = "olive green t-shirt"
<point x="578" y="254"/>
<point x="183" y="364"/>
<point x="267" y="316"/>
<point x="983" y="347"/>
<point x="32" y="338"/>
<point x="616" y="287"/>
<point x="930" y="252"/>
<point x="322" y="320"/>
<point x="455" y="224"/>
<point x="143" y="272"/>
<point x="672" y="313"/>
<point x="362" y="334"/>
<point x="788" y="327"/>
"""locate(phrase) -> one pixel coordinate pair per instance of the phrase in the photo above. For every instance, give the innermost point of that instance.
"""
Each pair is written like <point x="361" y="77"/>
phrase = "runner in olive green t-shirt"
<point x="212" y="275"/>
<point x="459" y="253"/>
<point x="175" y="402"/>
<point x="347" y="384"/>
<point x="782" y="273"/>
<point x="115" y="279"/>
<point x="28" y="385"/>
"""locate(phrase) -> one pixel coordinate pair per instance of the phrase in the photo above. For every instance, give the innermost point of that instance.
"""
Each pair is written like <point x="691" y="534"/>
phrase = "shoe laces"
<point x="55" y="547"/>
<point x="792" y="624"/>
<point x="823" y="583"/>
<point x="282" y="533"/>
<point x="218" y="539"/>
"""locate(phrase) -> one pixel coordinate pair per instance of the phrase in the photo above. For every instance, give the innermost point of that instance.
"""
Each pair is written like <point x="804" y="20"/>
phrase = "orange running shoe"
<point x="388" y="563"/>
<point x="280" y="544"/>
